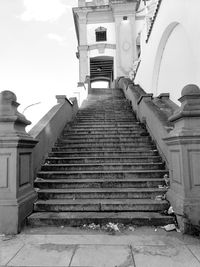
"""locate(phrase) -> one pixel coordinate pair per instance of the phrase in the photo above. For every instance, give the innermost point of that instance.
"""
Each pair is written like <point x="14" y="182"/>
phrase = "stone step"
<point x="89" y="140"/>
<point x="115" y="131"/>
<point x="103" y="147"/>
<point x="106" y="126"/>
<point x="100" y="193"/>
<point x="113" y="118"/>
<point x="115" y="114"/>
<point x="102" y="166"/>
<point x="98" y="183"/>
<point x="102" y="174"/>
<point x="106" y="106"/>
<point x="101" y="205"/>
<point x="97" y="153"/>
<point x="98" y="122"/>
<point x="75" y="219"/>
<point x="100" y="136"/>
<point x="86" y="160"/>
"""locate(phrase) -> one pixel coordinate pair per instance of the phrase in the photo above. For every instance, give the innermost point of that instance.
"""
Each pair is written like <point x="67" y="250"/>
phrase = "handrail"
<point x="151" y="111"/>
<point x="49" y="128"/>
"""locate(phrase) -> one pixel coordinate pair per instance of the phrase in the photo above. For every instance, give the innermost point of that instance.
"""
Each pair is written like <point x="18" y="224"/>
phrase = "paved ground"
<point x="143" y="247"/>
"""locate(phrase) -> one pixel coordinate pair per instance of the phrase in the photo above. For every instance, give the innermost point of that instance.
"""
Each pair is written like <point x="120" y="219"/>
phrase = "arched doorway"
<point x="101" y="69"/>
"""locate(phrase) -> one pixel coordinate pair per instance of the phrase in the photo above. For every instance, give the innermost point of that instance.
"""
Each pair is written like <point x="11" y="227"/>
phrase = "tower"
<point x="106" y="34"/>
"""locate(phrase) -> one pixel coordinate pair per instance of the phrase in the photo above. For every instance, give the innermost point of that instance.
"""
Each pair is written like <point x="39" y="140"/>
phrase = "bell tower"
<point x="106" y="34"/>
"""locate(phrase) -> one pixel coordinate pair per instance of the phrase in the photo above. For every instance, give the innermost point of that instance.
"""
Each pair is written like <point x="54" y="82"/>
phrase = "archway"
<point x="174" y="63"/>
<point x="101" y="69"/>
<point x="159" y="55"/>
<point x="100" y="82"/>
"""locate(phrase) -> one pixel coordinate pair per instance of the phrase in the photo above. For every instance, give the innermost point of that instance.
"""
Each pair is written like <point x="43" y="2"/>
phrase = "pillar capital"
<point x="12" y="122"/>
<point x="186" y="118"/>
<point x="82" y="16"/>
<point x="190" y="103"/>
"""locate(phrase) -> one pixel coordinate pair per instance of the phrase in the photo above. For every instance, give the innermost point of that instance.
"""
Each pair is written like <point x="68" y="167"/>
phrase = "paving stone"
<point x="103" y="256"/>
<point x="165" y="256"/>
<point x="195" y="249"/>
<point x="9" y="248"/>
<point x="43" y="254"/>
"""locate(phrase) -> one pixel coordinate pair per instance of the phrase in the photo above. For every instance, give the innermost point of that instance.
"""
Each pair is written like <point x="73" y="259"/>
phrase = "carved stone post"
<point x="184" y="159"/>
<point x="16" y="173"/>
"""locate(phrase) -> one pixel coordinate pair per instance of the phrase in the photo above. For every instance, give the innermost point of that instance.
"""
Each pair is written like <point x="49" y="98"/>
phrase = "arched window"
<point x="101" y="34"/>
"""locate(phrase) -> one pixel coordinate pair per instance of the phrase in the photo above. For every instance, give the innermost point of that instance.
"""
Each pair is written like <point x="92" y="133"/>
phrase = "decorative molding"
<point x="101" y="46"/>
<point x="24" y="168"/>
<point x="176" y="166"/>
<point x="99" y="17"/>
<point x="4" y="166"/>
<point x="194" y="164"/>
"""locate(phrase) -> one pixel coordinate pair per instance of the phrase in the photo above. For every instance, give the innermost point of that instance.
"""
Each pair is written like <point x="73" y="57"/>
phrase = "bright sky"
<point x="37" y="52"/>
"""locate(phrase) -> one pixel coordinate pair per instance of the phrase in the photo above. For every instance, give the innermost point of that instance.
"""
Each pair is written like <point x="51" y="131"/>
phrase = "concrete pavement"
<point x="69" y="247"/>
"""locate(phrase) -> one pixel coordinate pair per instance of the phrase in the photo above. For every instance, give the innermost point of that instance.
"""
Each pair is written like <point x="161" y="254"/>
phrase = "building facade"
<point x="106" y="34"/>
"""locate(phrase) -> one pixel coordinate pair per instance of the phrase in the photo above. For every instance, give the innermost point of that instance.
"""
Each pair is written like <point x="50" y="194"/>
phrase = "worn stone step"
<point x="111" y="119"/>
<point x="102" y="166"/>
<point x="101" y="135"/>
<point x="85" y="160"/>
<point x="100" y="193"/>
<point x="97" y="153"/>
<point x="105" y="123"/>
<point x="106" y="107"/>
<point x="98" y="183"/>
<point x="102" y="131"/>
<point x="101" y="205"/>
<point x="102" y="174"/>
<point x="105" y="126"/>
<point x="122" y="140"/>
<point x="103" y="147"/>
<point x="114" y="115"/>
<point x="75" y="219"/>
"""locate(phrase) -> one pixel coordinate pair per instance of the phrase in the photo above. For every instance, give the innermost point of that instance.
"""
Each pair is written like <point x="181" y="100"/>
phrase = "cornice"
<point x="98" y="46"/>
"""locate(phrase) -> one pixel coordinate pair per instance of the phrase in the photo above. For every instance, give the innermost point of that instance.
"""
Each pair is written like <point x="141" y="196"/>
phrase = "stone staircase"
<point x="104" y="168"/>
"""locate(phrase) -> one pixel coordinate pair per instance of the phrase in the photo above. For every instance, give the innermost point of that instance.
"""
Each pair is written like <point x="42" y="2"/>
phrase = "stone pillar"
<point x="88" y="82"/>
<point x="124" y="16"/>
<point x="83" y="63"/>
<point x="83" y="47"/>
<point x="16" y="172"/>
<point x="184" y="159"/>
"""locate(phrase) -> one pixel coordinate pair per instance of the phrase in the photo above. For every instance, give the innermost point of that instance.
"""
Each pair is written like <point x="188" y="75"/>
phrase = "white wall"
<point x="171" y="58"/>
<point x="177" y="66"/>
<point x="91" y="36"/>
<point x="91" y="39"/>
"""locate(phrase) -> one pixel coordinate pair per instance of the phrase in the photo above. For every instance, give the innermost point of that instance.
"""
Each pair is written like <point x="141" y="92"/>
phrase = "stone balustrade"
<point x="176" y="132"/>
<point x="150" y="111"/>
<point x="22" y="153"/>
<point x="16" y="166"/>
<point x="184" y="159"/>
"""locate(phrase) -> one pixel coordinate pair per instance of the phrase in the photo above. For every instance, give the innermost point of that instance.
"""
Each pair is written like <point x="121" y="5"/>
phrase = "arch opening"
<point x="101" y="68"/>
<point x="174" y="63"/>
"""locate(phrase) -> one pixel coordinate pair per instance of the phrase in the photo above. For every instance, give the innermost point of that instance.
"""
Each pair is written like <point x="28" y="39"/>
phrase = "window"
<point x="100" y="34"/>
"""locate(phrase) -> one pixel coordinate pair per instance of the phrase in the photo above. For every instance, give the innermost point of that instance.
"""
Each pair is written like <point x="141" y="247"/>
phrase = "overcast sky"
<point x="37" y="50"/>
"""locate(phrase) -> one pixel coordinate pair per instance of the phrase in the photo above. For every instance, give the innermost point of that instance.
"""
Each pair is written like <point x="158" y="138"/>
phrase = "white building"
<point x="170" y="54"/>
<point x="106" y="33"/>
